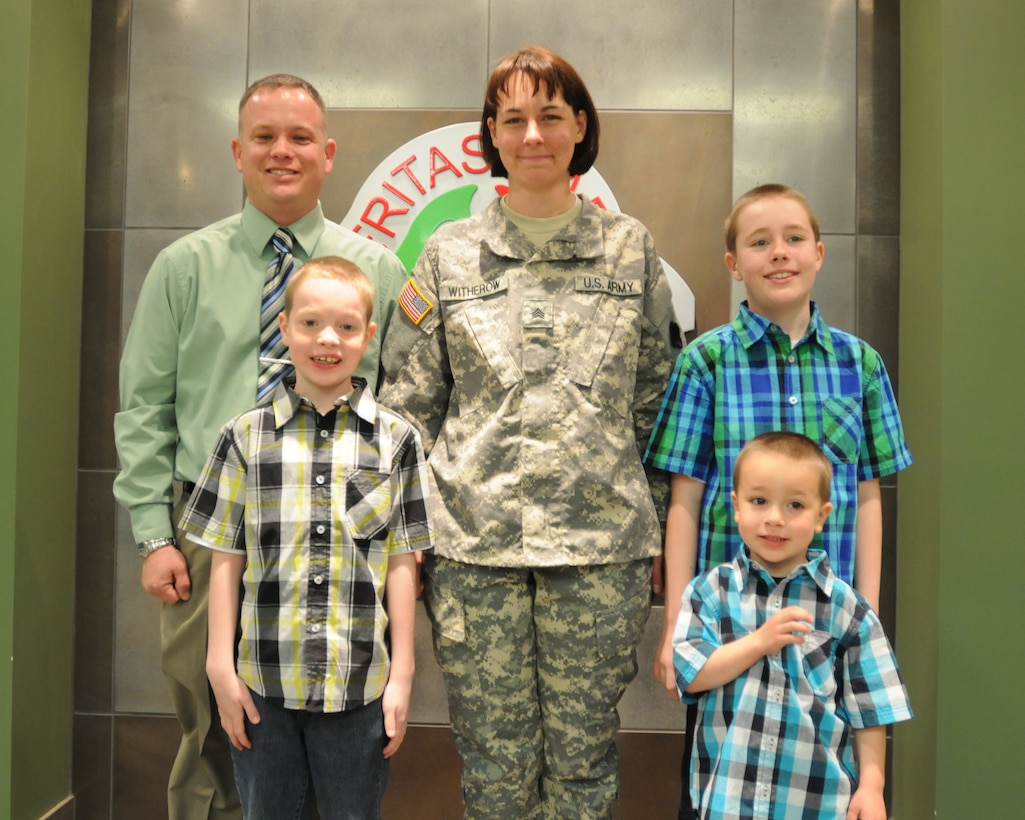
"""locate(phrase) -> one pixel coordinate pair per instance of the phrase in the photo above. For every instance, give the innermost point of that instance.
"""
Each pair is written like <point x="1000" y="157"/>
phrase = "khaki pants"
<point x="202" y="784"/>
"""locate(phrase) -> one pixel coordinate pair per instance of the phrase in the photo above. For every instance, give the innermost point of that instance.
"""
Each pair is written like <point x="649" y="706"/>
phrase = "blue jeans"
<point x="342" y="752"/>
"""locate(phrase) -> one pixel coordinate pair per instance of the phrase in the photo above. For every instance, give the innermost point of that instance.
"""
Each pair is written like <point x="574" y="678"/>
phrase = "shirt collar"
<point x="286" y="403"/>
<point x="582" y="238"/>
<point x="259" y="228"/>
<point x="816" y="568"/>
<point x="752" y="327"/>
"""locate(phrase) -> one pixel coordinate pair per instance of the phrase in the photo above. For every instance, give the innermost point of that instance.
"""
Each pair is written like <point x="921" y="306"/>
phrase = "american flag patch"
<point x="412" y="301"/>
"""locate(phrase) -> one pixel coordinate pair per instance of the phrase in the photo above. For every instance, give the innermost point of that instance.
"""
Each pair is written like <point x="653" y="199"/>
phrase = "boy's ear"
<point x="731" y="266"/>
<point x="283" y="326"/>
<point x="736" y="513"/>
<point x="827" y="508"/>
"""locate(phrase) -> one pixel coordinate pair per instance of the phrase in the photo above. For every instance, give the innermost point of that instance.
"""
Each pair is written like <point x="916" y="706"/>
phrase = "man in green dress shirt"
<point x="190" y="363"/>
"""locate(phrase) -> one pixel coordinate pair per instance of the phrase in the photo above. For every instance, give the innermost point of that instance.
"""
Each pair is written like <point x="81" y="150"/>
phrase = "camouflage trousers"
<point x="535" y="660"/>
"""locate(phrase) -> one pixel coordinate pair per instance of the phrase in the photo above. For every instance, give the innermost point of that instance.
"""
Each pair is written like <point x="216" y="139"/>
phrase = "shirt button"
<point x="789" y="359"/>
<point x="320" y="529"/>
<point x="320" y="479"/>
<point x="792" y="400"/>
<point x="318" y="579"/>
<point x="315" y="628"/>
<point x="324" y="433"/>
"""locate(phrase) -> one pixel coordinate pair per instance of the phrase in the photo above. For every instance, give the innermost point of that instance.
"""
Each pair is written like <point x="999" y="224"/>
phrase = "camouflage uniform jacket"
<point x="534" y="376"/>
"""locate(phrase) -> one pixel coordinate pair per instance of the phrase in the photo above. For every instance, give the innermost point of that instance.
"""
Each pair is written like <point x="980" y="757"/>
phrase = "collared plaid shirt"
<point x="744" y="378"/>
<point x="318" y="504"/>
<point x="776" y="742"/>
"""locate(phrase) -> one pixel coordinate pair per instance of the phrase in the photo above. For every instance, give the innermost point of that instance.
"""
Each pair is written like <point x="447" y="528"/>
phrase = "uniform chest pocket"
<point x="842" y="429"/>
<point x="368" y="507"/>
<point x="479" y="339"/>
<point x="817" y="658"/>
<point x="606" y="360"/>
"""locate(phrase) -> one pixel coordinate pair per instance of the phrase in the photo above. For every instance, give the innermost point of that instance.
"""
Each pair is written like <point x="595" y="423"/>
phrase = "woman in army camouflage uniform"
<point x="532" y="351"/>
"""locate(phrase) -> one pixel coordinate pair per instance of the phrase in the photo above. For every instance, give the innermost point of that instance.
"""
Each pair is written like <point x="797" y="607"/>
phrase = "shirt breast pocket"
<point x="842" y="429"/>
<point x="368" y="508"/>
<point x="817" y="658"/>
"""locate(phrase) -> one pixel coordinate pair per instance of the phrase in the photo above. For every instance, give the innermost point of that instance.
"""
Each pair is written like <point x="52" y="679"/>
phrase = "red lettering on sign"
<point x="385" y="213"/>
<point x="389" y="187"/>
<point x="440" y="163"/>
<point x="474" y="152"/>
<point x="404" y="167"/>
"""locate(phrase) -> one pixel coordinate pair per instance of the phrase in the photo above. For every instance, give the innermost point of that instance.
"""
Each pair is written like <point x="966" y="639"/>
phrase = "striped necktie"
<point x="273" y="302"/>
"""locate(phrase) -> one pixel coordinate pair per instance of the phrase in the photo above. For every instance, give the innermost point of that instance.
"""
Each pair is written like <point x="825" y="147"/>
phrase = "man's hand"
<point x="165" y="575"/>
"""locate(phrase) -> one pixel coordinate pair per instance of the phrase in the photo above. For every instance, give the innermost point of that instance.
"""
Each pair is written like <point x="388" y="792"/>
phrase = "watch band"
<point x="154" y="544"/>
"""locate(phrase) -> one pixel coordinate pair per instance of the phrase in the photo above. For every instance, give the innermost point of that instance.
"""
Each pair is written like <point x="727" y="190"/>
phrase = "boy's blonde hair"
<point x="795" y="446"/>
<point x="766" y="191"/>
<point x="332" y="267"/>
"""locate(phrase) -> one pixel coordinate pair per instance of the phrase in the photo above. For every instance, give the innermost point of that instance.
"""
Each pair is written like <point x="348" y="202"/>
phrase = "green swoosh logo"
<point x="448" y="207"/>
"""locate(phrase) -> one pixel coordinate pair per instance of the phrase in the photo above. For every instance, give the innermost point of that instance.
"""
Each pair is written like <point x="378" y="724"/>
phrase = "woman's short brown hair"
<point x="546" y="68"/>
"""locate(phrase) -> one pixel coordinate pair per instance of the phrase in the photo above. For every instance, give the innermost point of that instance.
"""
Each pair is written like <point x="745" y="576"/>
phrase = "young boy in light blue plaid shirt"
<point x="785" y="660"/>
<point x="777" y="366"/>
<point x="314" y="504"/>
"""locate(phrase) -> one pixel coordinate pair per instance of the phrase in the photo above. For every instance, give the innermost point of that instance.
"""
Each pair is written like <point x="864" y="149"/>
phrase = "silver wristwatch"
<point x="151" y="546"/>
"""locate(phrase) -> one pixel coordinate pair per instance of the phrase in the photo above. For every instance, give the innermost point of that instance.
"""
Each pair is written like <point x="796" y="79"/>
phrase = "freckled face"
<point x="326" y="332"/>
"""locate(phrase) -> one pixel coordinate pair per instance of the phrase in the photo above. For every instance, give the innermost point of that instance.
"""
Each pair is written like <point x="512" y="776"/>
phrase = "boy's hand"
<point x="867" y="804"/>
<point x="665" y="671"/>
<point x="658" y="573"/>
<point x="234" y="703"/>
<point x="165" y="575"/>
<point x="419" y="575"/>
<point x="785" y="627"/>
<point x="396" y="712"/>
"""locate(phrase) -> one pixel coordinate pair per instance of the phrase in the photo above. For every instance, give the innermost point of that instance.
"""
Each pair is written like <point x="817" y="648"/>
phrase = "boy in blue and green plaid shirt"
<point x="777" y="366"/>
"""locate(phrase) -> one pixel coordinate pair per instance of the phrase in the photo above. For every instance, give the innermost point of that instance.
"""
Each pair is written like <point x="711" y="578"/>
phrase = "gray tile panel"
<point x="663" y="55"/>
<point x="795" y="103"/>
<point x="108" y="114"/>
<point x="188" y="64"/>
<point x="144" y="749"/>
<point x="140" y="249"/>
<point x="879" y="117"/>
<point x="94" y="593"/>
<point x="388" y="54"/>
<point x="879" y="299"/>
<point x="138" y="682"/>
<point x="836" y="284"/>
<point x="91" y="765"/>
<point x="100" y="349"/>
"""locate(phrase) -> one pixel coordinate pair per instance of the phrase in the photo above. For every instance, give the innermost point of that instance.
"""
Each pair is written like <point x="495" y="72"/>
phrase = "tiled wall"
<point x="701" y="100"/>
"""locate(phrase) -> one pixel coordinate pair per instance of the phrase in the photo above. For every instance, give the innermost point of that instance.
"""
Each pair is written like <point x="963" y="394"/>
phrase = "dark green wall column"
<point x="44" y="62"/>
<point x="962" y="310"/>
